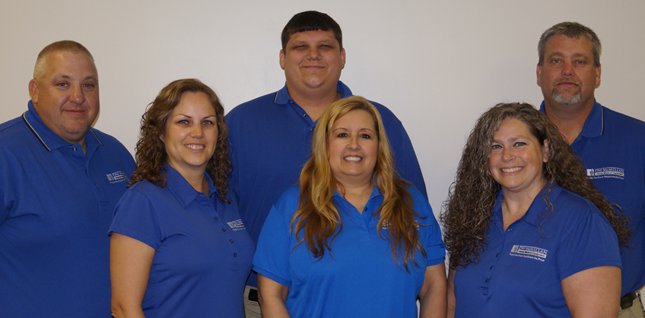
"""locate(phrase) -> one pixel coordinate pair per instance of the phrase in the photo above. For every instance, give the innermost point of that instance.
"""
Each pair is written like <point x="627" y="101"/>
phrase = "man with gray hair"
<point x="610" y="144"/>
<point x="59" y="182"/>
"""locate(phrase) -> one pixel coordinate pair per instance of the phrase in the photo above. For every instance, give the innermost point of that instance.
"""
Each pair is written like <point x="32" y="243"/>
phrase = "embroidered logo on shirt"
<point x="236" y="225"/>
<point x="606" y="172"/>
<point x="116" y="176"/>
<point x="532" y="252"/>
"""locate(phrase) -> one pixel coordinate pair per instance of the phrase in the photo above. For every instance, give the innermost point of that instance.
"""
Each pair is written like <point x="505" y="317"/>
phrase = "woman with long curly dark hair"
<point x="178" y="247"/>
<point x="527" y="232"/>
<point x="354" y="240"/>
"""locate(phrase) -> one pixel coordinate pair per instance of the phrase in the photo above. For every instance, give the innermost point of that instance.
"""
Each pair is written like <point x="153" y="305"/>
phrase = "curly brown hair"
<point x="151" y="153"/>
<point x="318" y="217"/>
<point x="468" y="209"/>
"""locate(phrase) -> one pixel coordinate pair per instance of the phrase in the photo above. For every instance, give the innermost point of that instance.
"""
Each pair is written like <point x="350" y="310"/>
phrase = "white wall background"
<point x="437" y="64"/>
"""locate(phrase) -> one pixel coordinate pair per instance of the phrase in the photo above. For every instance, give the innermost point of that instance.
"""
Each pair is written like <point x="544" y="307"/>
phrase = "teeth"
<point x="510" y="170"/>
<point x="195" y="147"/>
<point x="352" y="158"/>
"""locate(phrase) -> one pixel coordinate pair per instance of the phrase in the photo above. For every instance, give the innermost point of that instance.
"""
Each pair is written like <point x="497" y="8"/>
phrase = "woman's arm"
<point x="432" y="297"/>
<point x="452" y="301"/>
<point x="130" y="262"/>
<point x="593" y="292"/>
<point x="272" y="296"/>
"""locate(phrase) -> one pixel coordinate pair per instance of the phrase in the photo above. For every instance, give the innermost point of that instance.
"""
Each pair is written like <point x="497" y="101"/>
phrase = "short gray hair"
<point x="572" y="30"/>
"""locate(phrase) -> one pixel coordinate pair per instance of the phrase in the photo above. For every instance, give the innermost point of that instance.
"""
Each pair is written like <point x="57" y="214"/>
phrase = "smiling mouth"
<point x="353" y="158"/>
<point x="195" y="146"/>
<point x="511" y="170"/>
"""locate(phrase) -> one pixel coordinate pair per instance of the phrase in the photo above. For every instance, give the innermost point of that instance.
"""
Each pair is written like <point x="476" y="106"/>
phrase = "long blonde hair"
<point x="317" y="220"/>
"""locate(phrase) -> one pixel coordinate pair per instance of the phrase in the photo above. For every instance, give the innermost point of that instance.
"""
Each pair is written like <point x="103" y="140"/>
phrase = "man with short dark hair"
<point x="59" y="181"/>
<point x="610" y="144"/>
<point x="271" y="136"/>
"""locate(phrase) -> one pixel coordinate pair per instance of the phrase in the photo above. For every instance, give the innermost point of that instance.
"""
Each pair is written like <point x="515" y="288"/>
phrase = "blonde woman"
<point x="354" y="239"/>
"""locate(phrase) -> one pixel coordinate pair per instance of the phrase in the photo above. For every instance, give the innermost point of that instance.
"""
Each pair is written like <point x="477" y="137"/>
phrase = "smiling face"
<point x="352" y="147"/>
<point x="516" y="158"/>
<point x="568" y="76"/>
<point x="312" y="60"/>
<point x="190" y="134"/>
<point x="65" y="93"/>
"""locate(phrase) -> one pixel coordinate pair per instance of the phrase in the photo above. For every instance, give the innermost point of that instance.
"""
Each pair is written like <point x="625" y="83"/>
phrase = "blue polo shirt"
<point x="55" y="205"/>
<point x="612" y="148"/>
<point x="359" y="277"/>
<point x="520" y="270"/>
<point x="271" y="140"/>
<point x="202" y="250"/>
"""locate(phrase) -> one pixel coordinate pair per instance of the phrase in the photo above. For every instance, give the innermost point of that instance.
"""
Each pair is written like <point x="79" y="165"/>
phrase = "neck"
<point x="570" y="119"/>
<point x="357" y="195"/>
<point x="516" y="204"/>
<point x="314" y="102"/>
<point x="196" y="179"/>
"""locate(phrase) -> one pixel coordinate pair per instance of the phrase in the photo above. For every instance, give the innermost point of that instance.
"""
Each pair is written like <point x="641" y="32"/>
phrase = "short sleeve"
<point x="591" y="242"/>
<point x="429" y="230"/>
<point x="274" y="245"/>
<point x="135" y="217"/>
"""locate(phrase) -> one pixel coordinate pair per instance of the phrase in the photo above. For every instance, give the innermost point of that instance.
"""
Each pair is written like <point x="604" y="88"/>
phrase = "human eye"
<point x="366" y="136"/>
<point x="183" y="122"/>
<point x="518" y="144"/>
<point x="580" y="62"/>
<point x="208" y="122"/>
<point x="342" y="134"/>
<point x="62" y="84"/>
<point x="555" y="61"/>
<point x="495" y="146"/>
<point x="89" y="86"/>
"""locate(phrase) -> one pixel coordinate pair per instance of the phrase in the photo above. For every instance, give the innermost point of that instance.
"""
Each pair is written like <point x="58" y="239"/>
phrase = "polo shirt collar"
<point x="534" y="215"/>
<point x="48" y="138"/>
<point x="375" y="193"/>
<point x="182" y="190"/>
<point x="594" y="124"/>
<point x="282" y="96"/>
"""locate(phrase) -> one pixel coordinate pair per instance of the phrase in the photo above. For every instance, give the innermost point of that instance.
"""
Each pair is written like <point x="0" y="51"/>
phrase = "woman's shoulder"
<point x="287" y="203"/>
<point x="420" y="202"/>
<point x="575" y="205"/>
<point x="572" y="210"/>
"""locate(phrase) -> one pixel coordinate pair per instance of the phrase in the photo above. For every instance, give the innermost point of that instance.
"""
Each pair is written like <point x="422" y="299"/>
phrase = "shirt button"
<point x="234" y="254"/>
<point x="230" y="241"/>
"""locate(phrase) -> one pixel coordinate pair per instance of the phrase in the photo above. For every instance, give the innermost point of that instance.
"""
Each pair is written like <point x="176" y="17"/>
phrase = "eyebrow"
<point x="67" y="77"/>
<point x="184" y="115"/>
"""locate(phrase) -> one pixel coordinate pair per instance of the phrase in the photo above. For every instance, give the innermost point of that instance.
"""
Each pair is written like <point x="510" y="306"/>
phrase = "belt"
<point x="253" y="295"/>
<point x="625" y="301"/>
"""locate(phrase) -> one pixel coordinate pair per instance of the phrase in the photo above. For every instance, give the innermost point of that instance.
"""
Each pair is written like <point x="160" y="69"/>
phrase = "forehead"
<point x="194" y="102"/>
<point x="514" y="127"/>
<point x="69" y="63"/>
<point x="560" y="44"/>
<point x="357" y="117"/>
<point x="312" y="36"/>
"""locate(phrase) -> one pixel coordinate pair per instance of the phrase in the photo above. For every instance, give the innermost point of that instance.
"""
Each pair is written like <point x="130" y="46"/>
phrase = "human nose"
<point x="197" y="131"/>
<point x="508" y="154"/>
<point x="353" y="143"/>
<point x="313" y="53"/>
<point x="77" y="95"/>
<point x="567" y="68"/>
